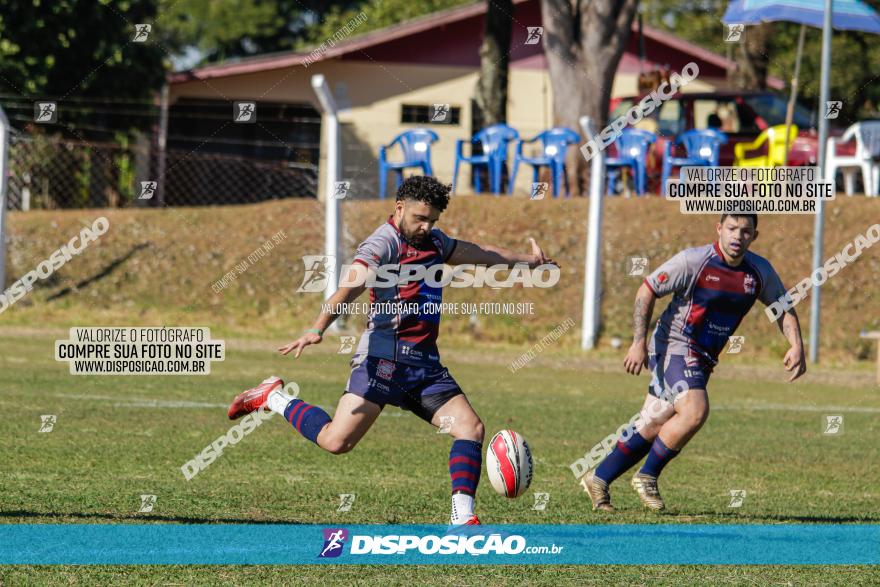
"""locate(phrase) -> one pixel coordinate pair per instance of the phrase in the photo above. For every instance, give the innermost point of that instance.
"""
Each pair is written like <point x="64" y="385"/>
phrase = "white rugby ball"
<point x="509" y="463"/>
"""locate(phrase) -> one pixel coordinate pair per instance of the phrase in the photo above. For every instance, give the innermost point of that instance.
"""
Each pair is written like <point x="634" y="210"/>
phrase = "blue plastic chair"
<point x="555" y="142"/>
<point x="632" y="152"/>
<point x="416" y="147"/>
<point x="494" y="140"/>
<point x="703" y="147"/>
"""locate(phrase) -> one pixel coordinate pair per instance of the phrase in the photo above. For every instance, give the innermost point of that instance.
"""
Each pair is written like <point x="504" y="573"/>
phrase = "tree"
<point x="752" y="58"/>
<point x="380" y="13"/>
<point x="494" y="59"/>
<point x="584" y="41"/>
<point x="78" y="48"/>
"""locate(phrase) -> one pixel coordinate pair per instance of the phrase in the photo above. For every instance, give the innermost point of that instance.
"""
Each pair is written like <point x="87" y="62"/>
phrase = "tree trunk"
<point x="494" y="58"/>
<point x="752" y="58"/>
<point x="583" y="42"/>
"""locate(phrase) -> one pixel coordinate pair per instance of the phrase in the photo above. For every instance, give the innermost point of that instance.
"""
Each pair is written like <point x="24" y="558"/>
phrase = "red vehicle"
<point x="740" y="115"/>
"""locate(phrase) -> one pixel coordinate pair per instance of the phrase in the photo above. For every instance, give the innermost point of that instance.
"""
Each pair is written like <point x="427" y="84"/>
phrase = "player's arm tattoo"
<point x="642" y="311"/>
<point x="790" y="327"/>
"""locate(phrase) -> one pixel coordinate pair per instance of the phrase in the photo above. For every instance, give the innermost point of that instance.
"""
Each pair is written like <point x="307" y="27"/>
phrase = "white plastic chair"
<point x="866" y="158"/>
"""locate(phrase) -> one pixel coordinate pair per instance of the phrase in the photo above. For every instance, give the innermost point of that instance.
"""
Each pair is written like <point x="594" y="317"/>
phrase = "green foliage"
<point x="854" y="55"/>
<point x="380" y="13"/>
<point x="78" y="48"/>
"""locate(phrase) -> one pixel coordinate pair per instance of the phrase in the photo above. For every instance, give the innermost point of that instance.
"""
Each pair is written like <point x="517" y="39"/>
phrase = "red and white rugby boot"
<point x="254" y="398"/>
<point x="473" y="521"/>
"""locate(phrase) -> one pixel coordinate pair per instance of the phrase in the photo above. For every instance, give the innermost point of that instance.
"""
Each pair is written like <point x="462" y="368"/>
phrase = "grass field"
<point x="119" y="437"/>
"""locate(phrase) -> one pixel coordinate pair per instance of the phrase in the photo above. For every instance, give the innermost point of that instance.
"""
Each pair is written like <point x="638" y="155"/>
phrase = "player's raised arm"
<point x="472" y="253"/>
<point x="345" y="294"/>
<point x="637" y="356"/>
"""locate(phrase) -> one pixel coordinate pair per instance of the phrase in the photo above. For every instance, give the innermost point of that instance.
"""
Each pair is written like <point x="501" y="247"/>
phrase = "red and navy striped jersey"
<point x="710" y="299"/>
<point x="407" y="337"/>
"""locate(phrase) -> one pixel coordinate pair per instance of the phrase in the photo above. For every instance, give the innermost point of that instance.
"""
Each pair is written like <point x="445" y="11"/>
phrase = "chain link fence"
<point x="56" y="171"/>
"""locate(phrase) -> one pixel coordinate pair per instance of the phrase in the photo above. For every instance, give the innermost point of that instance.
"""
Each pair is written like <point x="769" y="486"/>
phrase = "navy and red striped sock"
<point x="465" y="463"/>
<point x="624" y="456"/>
<point x="306" y="418"/>
<point x="658" y="458"/>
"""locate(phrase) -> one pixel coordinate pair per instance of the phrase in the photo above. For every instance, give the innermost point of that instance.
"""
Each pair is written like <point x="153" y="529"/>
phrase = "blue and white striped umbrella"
<point x="848" y="15"/>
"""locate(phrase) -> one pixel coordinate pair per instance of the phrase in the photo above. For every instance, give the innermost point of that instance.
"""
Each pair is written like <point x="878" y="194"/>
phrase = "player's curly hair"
<point x="424" y="188"/>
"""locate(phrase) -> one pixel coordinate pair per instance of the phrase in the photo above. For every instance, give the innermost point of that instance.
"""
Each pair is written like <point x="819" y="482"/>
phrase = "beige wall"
<point x="371" y="95"/>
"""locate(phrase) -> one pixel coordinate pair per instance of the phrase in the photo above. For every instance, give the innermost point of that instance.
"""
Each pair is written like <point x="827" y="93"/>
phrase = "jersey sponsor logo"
<point x="749" y="284"/>
<point x="385" y="369"/>
<point x="712" y="278"/>
<point x="411" y="352"/>
<point x="718" y="328"/>
<point x="379" y="385"/>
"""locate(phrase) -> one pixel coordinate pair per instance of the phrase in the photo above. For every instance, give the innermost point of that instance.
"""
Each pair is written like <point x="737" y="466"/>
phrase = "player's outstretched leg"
<point x="465" y="456"/>
<point x="691" y="412"/>
<point x="631" y="448"/>
<point x="353" y="417"/>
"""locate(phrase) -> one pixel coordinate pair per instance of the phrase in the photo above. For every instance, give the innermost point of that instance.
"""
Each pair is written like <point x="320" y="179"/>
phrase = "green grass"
<point x="110" y="445"/>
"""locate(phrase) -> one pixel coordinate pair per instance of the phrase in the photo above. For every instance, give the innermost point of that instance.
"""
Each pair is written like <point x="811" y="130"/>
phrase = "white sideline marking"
<point x="796" y="408"/>
<point x="138" y="402"/>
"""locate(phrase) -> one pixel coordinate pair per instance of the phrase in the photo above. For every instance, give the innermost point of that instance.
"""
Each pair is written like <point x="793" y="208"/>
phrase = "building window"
<point x="430" y="114"/>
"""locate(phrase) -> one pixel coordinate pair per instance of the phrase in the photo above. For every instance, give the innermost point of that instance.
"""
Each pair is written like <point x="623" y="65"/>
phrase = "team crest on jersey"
<point x="749" y="284"/>
<point x="662" y="277"/>
<point x="384" y="369"/>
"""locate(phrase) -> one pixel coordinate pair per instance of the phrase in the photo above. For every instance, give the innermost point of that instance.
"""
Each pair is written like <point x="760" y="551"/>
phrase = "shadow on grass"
<point x="145" y="517"/>
<point x="101" y="274"/>
<point x="817" y="519"/>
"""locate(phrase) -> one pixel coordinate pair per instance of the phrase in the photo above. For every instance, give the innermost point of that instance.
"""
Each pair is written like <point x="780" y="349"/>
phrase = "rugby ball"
<point x="509" y="463"/>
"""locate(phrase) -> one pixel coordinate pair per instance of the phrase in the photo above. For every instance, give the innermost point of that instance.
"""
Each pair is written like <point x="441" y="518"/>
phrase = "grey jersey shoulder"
<point x="379" y="248"/>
